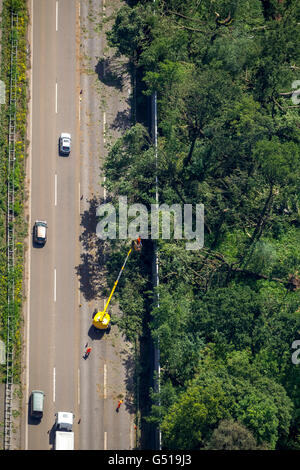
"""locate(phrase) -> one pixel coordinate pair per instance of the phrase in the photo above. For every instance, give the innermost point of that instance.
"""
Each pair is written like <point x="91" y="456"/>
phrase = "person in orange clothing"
<point x="119" y="404"/>
<point x="87" y="352"/>
<point x="137" y="244"/>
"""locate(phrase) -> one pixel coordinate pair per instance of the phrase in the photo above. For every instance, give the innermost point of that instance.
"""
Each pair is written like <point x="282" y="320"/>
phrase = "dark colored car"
<point x="37" y="404"/>
<point x="40" y="232"/>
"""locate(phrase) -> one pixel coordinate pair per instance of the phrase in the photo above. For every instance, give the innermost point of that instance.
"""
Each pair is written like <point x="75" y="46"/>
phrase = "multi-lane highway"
<point x="59" y="311"/>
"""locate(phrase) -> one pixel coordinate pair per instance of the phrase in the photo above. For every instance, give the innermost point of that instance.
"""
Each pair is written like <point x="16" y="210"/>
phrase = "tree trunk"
<point x="190" y="154"/>
<point x="258" y="229"/>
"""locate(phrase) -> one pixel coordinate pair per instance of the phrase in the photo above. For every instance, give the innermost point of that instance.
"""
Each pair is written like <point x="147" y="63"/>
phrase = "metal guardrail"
<point x="156" y="256"/>
<point x="10" y="234"/>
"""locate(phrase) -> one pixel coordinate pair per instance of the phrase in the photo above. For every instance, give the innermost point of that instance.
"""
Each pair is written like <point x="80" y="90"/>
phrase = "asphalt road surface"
<point x="62" y="281"/>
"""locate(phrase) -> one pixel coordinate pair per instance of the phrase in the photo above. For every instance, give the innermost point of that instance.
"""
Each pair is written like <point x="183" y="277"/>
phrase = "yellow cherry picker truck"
<point x="102" y="319"/>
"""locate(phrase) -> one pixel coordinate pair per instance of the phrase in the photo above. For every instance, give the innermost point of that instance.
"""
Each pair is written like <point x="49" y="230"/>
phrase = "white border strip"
<point x="78" y="385"/>
<point x="104" y="382"/>
<point x="55" y="189"/>
<point x="54" y="293"/>
<point x="56" y="15"/>
<point x="29" y="235"/>
<point x="56" y="98"/>
<point x="54" y="381"/>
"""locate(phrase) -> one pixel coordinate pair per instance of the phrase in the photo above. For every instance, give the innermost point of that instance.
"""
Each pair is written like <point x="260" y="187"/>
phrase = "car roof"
<point x="65" y="417"/>
<point x="41" y="231"/>
<point x="38" y="398"/>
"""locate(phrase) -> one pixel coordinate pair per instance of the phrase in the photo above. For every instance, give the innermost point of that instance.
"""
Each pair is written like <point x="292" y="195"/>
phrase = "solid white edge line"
<point x="105" y="441"/>
<point x="79" y="196"/>
<point x="55" y="189"/>
<point x="54" y="295"/>
<point x="29" y="224"/>
<point x="54" y="384"/>
<point x="131" y="434"/>
<point x="56" y="97"/>
<point x="56" y="15"/>
<point x="78" y="385"/>
<point x="104" y="381"/>
<point x="104" y="141"/>
<point x="104" y="126"/>
<point x="104" y="189"/>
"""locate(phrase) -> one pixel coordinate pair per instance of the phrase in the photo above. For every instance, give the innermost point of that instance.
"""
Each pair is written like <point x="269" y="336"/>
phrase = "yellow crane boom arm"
<point x="116" y="283"/>
<point x="102" y="319"/>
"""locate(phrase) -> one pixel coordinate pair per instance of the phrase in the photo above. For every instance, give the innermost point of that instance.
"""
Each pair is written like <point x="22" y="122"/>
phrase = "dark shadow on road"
<point x="129" y="364"/>
<point x="89" y="273"/>
<point x="91" y="270"/>
<point x="123" y="120"/>
<point x="95" y="334"/>
<point x="52" y="436"/>
<point x="89" y="222"/>
<point x="112" y="72"/>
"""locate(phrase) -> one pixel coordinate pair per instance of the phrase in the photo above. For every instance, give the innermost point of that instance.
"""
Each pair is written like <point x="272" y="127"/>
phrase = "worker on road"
<point x="119" y="404"/>
<point x="87" y="352"/>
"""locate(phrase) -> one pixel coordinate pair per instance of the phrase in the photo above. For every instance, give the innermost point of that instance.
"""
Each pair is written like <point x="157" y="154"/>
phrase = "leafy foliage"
<point x="229" y="138"/>
<point x="20" y="229"/>
<point x="231" y="435"/>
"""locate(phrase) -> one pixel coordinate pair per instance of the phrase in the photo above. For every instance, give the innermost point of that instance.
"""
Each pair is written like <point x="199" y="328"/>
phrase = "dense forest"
<point x="225" y="73"/>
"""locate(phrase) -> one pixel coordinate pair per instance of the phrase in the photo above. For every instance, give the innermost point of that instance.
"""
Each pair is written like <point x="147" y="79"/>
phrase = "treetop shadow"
<point x="112" y="72"/>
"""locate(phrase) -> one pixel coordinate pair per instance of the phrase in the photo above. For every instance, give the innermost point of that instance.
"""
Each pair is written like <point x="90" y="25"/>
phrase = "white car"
<point x="65" y="143"/>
